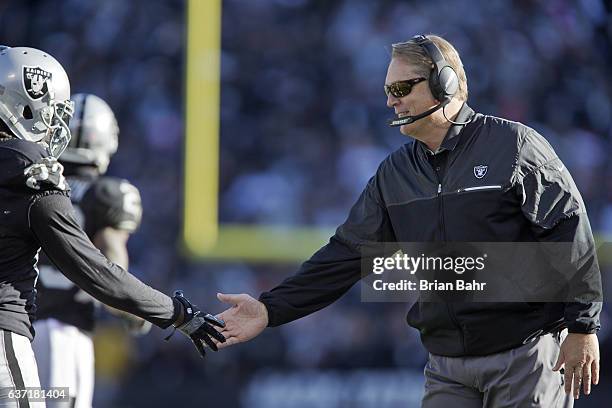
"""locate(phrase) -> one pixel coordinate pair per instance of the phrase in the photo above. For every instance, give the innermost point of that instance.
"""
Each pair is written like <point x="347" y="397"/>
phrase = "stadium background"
<point x="302" y="127"/>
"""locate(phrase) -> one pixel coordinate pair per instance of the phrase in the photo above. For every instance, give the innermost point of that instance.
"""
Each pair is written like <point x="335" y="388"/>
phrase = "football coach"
<point x="467" y="177"/>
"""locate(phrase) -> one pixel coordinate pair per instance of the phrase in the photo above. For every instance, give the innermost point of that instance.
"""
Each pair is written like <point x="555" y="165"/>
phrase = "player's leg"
<point x="42" y="350"/>
<point x="54" y="346"/>
<point x="84" y="370"/>
<point x="18" y="371"/>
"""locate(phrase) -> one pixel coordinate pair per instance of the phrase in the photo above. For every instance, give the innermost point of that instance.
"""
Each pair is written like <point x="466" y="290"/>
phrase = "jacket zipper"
<point x="451" y="312"/>
<point x="441" y="198"/>
<point x="449" y="308"/>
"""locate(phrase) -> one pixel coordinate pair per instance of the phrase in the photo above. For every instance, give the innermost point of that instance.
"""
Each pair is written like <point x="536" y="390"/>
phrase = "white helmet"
<point x="35" y="97"/>
<point x="94" y="133"/>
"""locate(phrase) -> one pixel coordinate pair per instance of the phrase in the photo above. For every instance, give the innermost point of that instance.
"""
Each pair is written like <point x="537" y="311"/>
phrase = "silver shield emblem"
<point x="480" y="171"/>
<point x="35" y="81"/>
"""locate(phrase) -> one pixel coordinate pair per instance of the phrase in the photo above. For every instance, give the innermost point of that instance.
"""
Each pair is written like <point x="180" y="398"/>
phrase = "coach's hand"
<point x="198" y="326"/>
<point x="244" y="320"/>
<point x="580" y="355"/>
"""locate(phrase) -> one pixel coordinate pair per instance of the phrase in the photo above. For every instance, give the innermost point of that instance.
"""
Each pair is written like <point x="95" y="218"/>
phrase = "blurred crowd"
<point x="303" y="127"/>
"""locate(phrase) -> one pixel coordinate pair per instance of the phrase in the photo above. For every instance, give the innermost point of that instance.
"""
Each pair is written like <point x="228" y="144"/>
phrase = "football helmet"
<point x="35" y="97"/>
<point x="94" y="133"/>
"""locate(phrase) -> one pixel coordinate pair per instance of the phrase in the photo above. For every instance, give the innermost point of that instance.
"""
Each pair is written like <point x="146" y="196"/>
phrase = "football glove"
<point x="198" y="326"/>
<point x="47" y="171"/>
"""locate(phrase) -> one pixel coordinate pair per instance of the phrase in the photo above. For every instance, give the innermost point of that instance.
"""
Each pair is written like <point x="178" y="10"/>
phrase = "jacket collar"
<point x="466" y="114"/>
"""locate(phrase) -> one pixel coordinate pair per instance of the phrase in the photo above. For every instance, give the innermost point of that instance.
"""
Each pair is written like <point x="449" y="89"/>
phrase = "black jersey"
<point x="100" y="203"/>
<point x="18" y="247"/>
<point x="45" y="218"/>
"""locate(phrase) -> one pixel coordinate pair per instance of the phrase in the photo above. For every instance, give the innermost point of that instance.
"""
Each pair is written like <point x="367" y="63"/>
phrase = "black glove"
<point x="197" y="325"/>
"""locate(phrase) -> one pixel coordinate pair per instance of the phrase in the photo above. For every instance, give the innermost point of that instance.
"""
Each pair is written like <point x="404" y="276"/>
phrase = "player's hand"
<point x="47" y="171"/>
<point x="198" y="326"/>
<point x="244" y="320"/>
<point x="580" y="355"/>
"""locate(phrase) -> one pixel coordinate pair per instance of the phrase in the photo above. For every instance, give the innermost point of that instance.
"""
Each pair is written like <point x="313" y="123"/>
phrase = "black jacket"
<point x="526" y="195"/>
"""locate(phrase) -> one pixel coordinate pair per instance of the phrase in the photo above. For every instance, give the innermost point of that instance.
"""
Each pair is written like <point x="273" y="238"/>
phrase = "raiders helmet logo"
<point x="35" y="81"/>
<point x="480" y="171"/>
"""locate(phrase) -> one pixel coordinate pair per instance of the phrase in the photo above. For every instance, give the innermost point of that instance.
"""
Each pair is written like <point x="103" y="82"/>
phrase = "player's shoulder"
<point x="21" y="151"/>
<point x="16" y="156"/>
<point x="113" y="202"/>
<point x="31" y="150"/>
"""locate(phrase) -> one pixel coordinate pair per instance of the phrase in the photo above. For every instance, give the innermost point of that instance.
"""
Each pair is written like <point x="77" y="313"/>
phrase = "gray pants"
<point x="521" y="377"/>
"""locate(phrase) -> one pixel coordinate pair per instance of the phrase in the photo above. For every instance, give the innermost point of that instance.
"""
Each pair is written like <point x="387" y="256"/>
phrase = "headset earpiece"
<point x="443" y="80"/>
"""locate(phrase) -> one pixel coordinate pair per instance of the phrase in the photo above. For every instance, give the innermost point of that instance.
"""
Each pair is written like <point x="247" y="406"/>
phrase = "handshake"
<point x="244" y="320"/>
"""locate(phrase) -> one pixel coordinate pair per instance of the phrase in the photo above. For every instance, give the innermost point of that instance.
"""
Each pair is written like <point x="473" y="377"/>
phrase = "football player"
<point x="36" y="212"/>
<point x="109" y="210"/>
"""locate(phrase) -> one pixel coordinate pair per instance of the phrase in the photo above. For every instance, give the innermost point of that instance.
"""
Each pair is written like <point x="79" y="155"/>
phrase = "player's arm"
<point x="112" y="243"/>
<point x="53" y="224"/>
<point x="113" y="211"/>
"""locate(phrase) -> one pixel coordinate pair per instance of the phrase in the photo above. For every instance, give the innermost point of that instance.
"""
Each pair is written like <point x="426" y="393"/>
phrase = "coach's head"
<point x="425" y="85"/>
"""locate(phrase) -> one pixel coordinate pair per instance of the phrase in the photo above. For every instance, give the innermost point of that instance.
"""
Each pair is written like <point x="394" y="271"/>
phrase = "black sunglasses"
<point x="402" y="88"/>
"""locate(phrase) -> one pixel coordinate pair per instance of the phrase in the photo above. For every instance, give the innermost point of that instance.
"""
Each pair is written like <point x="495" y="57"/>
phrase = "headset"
<point x="443" y="81"/>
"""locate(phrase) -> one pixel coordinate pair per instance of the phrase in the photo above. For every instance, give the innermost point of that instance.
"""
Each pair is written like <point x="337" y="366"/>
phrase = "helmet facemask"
<point x="57" y="118"/>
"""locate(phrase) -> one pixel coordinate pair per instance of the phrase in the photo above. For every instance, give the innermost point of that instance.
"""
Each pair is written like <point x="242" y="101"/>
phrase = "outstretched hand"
<point x="244" y="320"/>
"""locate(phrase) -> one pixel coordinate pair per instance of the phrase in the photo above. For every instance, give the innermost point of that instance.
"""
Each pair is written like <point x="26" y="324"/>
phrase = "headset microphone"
<point x="409" y="119"/>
